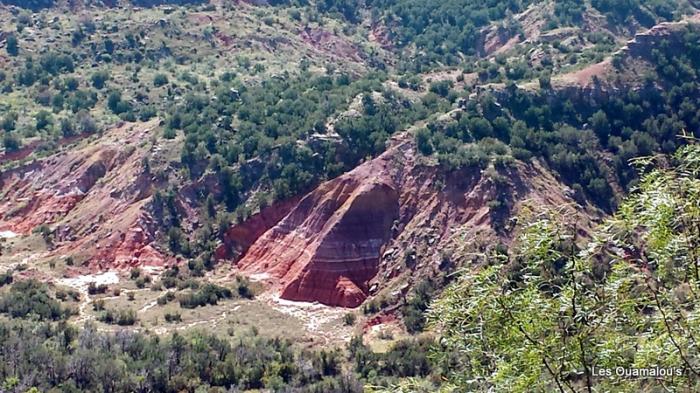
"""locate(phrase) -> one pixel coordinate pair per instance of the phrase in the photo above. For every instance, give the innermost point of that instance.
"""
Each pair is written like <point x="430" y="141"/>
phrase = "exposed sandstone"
<point x="356" y="234"/>
<point x="328" y="246"/>
<point x="95" y="199"/>
<point x="331" y="44"/>
<point x="239" y="238"/>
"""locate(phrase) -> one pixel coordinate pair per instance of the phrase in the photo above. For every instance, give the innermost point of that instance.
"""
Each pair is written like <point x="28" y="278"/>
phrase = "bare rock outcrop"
<point x="667" y="33"/>
<point x="356" y="234"/>
<point x="328" y="247"/>
<point x="94" y="199"/>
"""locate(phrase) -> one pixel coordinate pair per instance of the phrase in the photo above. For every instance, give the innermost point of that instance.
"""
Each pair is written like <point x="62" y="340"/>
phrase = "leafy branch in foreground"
<point x="549" y="315"/>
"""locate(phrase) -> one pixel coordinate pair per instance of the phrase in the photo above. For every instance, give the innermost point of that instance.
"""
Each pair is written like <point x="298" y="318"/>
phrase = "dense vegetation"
<point x="31" y="4"/>
<point x="639" y="272"/>
<point x="272" y="141"/>
<point x="445" y="30"/>
<point x="245" y="135"/>
<point x="572" y="133"/>
<point x="250" y="136"/>
<point x="452" y="32"/>
<point x="39" y="4"/>
<point x="84" y="359"/>
<point x="261" y="122"/>
<point x="545" y="316"/>
<point x="30" y="298"/>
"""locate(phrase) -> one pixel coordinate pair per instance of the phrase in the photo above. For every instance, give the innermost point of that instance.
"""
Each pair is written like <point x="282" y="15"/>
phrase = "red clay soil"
<point x="95" y="198"/>
<point x="331" y="44"/>
<point x="350" y="236"/>
<point x="586" y="77"/>
<point x="337" y="245"/>
<point x="239" y="238"/>
<point x="328" y="247"/>
<point x="379" y="319"/>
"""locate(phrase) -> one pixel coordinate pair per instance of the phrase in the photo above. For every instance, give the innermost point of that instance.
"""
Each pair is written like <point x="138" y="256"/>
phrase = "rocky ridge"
<point x="355" y="235"/>
<point x="93" y="200"/>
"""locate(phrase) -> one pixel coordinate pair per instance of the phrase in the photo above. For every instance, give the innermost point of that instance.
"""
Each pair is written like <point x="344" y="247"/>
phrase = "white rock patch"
<point x="7" y="235"/>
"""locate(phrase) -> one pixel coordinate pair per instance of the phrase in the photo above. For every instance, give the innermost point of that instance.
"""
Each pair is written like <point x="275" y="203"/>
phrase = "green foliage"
<point x="168" y="297"/>
<point x="423" y="143"/>
<point x="116" y="104"/>
<point x="89" y="360"/>
<point x="445" y="30"/>
<point x="441" y="88"/>
<point x="160" y="80"/>
<point x="349" y="319"/>
<point x="173" y="317"/>
<point x="43" y="120"/>
<point x="406" y="358"/>
<point x="67" y="128"/>
<point x="30" y="4"/>
<point x="86" y="124"/>
<point x="6" y="278"/>
<point x="415" y="308"/>
<point x="55" y="63"/>
<point x="11" y="142"/>
<point x="243" y="288"/>
<point x="209" y="294"/>
<point x="177" y="241"/>
<point x="272" y="136"/>
<point x="12" y="45"/>
<point x="542" y="318"/>
<point x="99" y="79"/>
<point x="30" y="298"/>
<point x="122" y="317"/>
<point x="142" y="281"/>
<point x="94" y="289"/>
<point x="572" y="135"/>
<point x="9" y="122"/>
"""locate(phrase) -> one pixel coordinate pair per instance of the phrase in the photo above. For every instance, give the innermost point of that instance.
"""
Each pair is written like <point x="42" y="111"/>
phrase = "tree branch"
<point x="533" y="342"/>
<point x="669" y="330"/>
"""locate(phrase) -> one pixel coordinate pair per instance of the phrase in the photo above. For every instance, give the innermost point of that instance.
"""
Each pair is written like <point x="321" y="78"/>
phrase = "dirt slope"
<point x="93" y="198"/>
<point x="636" y="57"/>
<point x="352" y="236"/>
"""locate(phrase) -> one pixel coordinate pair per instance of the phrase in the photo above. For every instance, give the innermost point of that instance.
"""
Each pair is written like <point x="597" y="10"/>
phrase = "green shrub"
<point x="209" y="294"/>
<point x="123" y="317"/>
<point x="6" y="278"/>
<point x="99" y="79"/>
<point x="349" y="319"/>
<point x="160" y="80"/>
<point x="31" y="298"/>
<point x="173" y="317"/>
<point x="94" y="289"/>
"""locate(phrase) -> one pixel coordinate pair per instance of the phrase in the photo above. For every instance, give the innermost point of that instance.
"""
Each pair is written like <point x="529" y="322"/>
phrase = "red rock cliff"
<point x="94" y="197"/>
<point x="328" y="247"/>
<point x="389" y="217"/>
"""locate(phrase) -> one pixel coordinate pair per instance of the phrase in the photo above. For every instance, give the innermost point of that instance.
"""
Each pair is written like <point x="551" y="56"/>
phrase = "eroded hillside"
<point x="92" y="201"/>
<point x="391" y="218"/>
<point x="318" y="172"/>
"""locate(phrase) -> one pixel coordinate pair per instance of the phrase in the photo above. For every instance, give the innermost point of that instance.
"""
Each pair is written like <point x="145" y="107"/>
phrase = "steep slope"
<point x="634" y="59"/>
<point x="326" y="248"/>
<point x="667" y="34"/>
<point x="92" y="200"/>
<point x="350" y="237"/>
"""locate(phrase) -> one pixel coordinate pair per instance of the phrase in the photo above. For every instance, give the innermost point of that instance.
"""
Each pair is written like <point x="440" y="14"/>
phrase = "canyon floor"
<point x="309" y="324"/>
